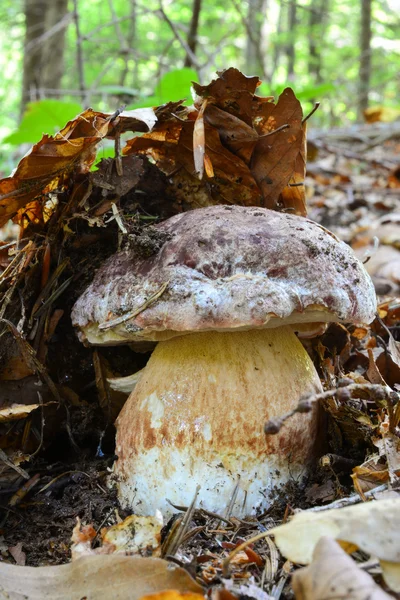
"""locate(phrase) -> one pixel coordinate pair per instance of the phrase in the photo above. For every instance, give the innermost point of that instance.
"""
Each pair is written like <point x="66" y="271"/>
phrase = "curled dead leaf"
<point x="333" y="574"/>
<point x="173" y="595"/>
<point x="109" y="577"/>
<point x="374" y="527"/>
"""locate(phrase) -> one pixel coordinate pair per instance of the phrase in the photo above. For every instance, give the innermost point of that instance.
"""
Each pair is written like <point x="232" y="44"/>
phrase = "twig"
<point x="136" y="312"/>
<point x="54" y="296"/>
<point x="79" y="53"/>
<point x="22" y="491"/>
<point x="232" y="500"/>
<point x="118" y="218"/>
<point x="274" y="425"/>
<point x="192" y="35"/>
<point x="354" y="499"/>
<point x="281" y="128"/>
<point x="62" y="24"/>
<point x="175" y="538"/>
<point x="178" y="36"/>
<point x="316" y="107"/>
<point x="122" y="41"/>
<point x="9" y="463"/>
<point x="29" y="355"/>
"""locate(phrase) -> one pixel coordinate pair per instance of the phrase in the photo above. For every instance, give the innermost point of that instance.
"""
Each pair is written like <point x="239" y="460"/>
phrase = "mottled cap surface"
<point x="226" y="268"/>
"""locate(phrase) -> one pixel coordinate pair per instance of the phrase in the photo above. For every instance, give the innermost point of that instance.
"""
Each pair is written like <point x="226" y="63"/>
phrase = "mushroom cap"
<point x="226" y="268"/>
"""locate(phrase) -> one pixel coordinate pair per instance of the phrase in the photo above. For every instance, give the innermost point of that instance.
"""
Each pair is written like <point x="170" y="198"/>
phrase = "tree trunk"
<point x="46" y="23"/>
<point x="192" y="35"/>
<point x="131" y="43"/>
<point x="278" y="43"/>
<point x="34" y="28"/>
<point x="365" y="57"/>
<point x="316" y="24"/>
<point x="53" y="48"/>
<point x="254" y="54"/>
<point x="290" y="50"/>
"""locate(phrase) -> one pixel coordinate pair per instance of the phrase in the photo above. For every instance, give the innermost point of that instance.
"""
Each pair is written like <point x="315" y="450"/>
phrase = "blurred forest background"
<point x="60" y="56"/>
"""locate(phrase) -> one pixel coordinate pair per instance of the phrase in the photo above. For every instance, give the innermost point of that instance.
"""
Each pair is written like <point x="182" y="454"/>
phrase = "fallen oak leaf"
<point x="374" y="527"/>
<point x="49" y="164"/>
<point x="173" y="595"/>
<point x="109" y="577"/>
<point x="16" y="411"/>
<point x="232" y="92"/>
<point x="18" y="554"/>
<point x="293" y="195"/>
<point x="274" y="158"/>
<point x="333" y="574"/>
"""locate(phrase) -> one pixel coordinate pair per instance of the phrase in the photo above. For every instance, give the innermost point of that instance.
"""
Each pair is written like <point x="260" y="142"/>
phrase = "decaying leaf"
<point x="370" y="474"/>
<point x="16" y="411"/>
<point x="49" y="165"/>
<point x="134" y="535"/>
<point x="251" y="148"/>
<point x="109" y="577"/>
<point x="173" y="595"/>
<point x="333" y="574"/>
<point x="274" y="160"/>
<point x="374" y="527"/>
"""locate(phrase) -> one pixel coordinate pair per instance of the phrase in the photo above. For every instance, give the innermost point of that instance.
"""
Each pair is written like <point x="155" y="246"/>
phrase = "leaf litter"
<point x="57" y="402"/>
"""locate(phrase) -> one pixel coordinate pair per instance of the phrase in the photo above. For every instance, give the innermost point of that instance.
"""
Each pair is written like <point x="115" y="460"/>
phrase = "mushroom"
<point x="222" y="297"/>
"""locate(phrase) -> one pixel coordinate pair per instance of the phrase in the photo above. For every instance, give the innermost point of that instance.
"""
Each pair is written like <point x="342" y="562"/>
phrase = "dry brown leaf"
<point x="227" y="132"/>
<point x="15" y="369"/>
<point x="18" y="554"/>
<point x="274" y="158"/>
<point x="293" y="196"/>
<point x="232" y="91"/>
<point x="173" y="595"/>
<point x="134" y="535"/>
<point x="16" y="411"/>
<point x="333" y="574"/>
<point x="370" y="474"/>
<point x="374" y="527"/>
<point x="50" y="163"/>
<point x="109" y="577"/>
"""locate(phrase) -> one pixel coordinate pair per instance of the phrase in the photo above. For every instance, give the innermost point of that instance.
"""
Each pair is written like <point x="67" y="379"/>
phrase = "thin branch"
<point x="122" y="41"/>
<point x="79" y="53"/>
<point x="178" y="36"/>
<point x="62" y="24"/>
<point x="192" y="35"/>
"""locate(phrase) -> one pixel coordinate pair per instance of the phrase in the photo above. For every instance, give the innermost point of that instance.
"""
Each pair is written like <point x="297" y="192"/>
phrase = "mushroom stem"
<point x="196" y="417"/>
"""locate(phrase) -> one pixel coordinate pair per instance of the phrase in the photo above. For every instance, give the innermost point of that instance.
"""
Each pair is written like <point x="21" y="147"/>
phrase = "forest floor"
<point x="352" y="188"/>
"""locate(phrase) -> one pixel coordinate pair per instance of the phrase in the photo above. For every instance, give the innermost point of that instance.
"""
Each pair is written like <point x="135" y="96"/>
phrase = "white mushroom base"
<point x="180" y="473"/>
<point x="196" y="417"/>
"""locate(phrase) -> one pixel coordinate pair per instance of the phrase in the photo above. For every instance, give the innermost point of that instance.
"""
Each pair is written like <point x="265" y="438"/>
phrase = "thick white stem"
<point x="197" y="414"/>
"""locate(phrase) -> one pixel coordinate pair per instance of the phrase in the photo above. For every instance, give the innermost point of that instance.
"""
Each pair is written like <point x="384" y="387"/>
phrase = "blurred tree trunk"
<point x="46" y="22"/>
<point x="256" y="15"/>
<point x="278" y="42"/>
<point x="131" y="43"/>
<point x="365" y="57"/>
<point x="192" y="35"/>
<point x="317" y="19"/>
<point x="290" y="49"/>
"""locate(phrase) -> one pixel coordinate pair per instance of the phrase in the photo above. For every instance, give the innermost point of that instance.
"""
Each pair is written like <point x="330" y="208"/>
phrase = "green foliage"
<point x="134" y="54"/>
<point x="315" y="92"/>
<point x="173" y="86"/>
<point x="43" y="116"/>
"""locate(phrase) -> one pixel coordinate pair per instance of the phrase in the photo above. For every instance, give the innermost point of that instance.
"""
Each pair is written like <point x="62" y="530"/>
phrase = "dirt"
<point x="44" y="520"/>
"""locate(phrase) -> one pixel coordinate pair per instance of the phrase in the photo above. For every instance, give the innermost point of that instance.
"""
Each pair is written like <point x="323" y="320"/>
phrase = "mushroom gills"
<point x="196" y="417"/>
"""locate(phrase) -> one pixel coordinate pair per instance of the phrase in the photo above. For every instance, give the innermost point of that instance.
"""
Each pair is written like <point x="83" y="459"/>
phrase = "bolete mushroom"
<point x="222" y="297"/>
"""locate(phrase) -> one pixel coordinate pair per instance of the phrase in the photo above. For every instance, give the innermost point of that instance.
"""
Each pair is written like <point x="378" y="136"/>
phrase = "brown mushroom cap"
<point x="226" y="268"/>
